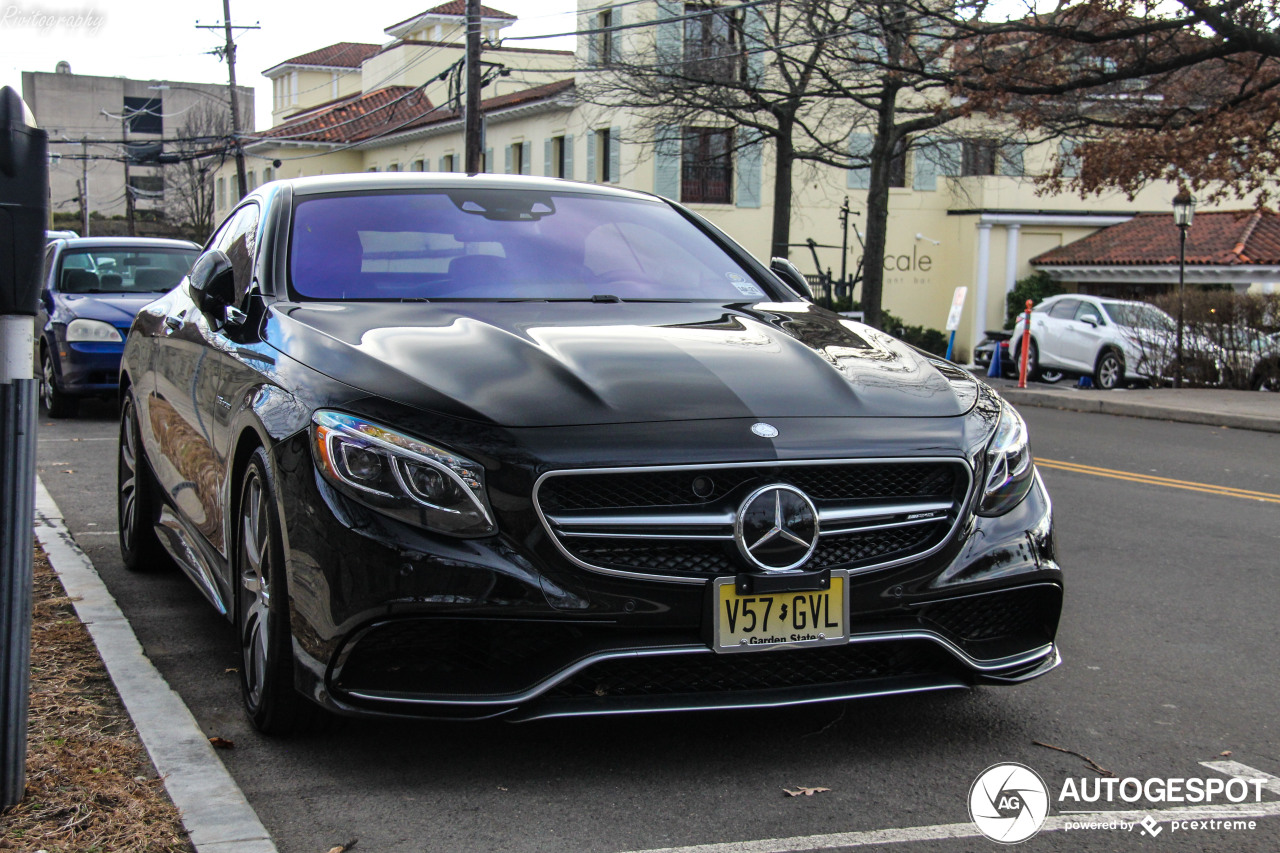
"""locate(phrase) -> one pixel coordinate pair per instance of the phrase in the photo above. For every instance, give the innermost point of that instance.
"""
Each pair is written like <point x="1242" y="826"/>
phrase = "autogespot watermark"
<point x="1010" y="802"/>
<point x="46" y="20"/>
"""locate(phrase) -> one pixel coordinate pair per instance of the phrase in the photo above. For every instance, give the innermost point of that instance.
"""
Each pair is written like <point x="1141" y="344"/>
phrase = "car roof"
<point x="370" y="181"/>
<point x="126" y="242"/>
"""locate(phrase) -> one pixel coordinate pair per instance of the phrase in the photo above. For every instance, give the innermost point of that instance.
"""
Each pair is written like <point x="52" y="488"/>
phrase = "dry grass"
<point x="90" y="785"/>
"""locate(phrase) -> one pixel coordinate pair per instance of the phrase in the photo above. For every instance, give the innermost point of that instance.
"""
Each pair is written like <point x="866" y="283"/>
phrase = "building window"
<point x="293" y="87"/>
<point x="267" y="175"/>
<point x="144" y="115"/>
<point x="604" y="141"/>
<point x="557" y="157"/>
<point x="712" y="37"/>
<point x="706" y="173"/>
<point x="446" y="163"/>
<point x="394" y="167"/>
<point x="604" y="21"/>
<point x="416" y="166"/>
<point x="517" y="159"/>
<point x="978" y="157"/>
<point x="898" y="165"/>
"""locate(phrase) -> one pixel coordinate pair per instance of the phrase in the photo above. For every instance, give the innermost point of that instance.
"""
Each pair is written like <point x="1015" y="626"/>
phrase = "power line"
<point x="701" y="13"/>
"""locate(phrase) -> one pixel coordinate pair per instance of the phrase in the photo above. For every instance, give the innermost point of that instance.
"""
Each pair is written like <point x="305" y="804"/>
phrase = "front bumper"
<point x="390" y="620"/>
<point x="89" y="368"/>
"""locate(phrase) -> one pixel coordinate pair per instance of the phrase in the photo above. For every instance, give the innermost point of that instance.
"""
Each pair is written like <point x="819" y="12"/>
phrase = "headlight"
<point x="401" y="476"/>
<point x="1009" y="465"/>
<point x="92" y="331"/>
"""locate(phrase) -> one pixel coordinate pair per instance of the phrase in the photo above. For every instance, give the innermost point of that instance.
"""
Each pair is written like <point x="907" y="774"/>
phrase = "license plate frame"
<point x="727" y="638"/>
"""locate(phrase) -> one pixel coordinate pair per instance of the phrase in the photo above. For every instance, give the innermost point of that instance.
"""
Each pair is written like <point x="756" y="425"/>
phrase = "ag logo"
<point x="1008" y="802"/>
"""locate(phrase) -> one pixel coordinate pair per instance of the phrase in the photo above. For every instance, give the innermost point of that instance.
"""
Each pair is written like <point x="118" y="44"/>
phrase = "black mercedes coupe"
<point x="470" y="447"/>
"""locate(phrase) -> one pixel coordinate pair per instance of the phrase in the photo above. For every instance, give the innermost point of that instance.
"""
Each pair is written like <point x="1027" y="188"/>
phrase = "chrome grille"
<point x="678" y="523"/>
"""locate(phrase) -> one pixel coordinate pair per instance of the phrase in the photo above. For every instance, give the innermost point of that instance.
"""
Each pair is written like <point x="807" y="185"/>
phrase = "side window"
<point x="238" y="237"/>
<point x="48" y="265"/>
<point x="1064" y="310"/>
<point x="1088" y="308"/>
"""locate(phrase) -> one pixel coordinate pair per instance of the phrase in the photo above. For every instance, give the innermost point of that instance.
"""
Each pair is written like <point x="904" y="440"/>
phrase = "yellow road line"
<point x="1152" y="480"/>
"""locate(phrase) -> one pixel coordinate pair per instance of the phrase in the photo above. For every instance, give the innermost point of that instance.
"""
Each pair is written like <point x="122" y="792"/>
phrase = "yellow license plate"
<point x="754" y="622"/>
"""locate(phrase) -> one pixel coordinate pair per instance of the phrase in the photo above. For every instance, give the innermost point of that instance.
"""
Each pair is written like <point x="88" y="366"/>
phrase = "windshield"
<point x="1138" y="316"/>
<point x="124" y="270"/>
<point x="506" y="244"/>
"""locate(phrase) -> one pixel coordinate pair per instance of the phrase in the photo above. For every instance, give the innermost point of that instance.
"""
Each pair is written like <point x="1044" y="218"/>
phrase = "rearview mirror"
<point x="791" y="276"/>
<point x="1091" y="319"/>
<point x="212" y="285"/>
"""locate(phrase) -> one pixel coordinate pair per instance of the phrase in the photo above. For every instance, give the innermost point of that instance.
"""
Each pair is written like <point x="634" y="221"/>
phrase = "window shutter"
<point x="615" y="155"/>
<point x="933" y="159"/>
<point x="748" y="191"/>
<point x="591" y="156"/>
<point x="488" y="161"/>
<point x="568" y="156"/>
<point x="669" y="37"/>
<point x="506" y="150"/>
<point x="546" y="157"/>
<point x="615" y="38"/>
<point x="1069" y="158"/>
<point x="859" y="146"/>
<point x="593" y="43"/>
<point x="754" y="33"/>
<point x="666" y="161"/>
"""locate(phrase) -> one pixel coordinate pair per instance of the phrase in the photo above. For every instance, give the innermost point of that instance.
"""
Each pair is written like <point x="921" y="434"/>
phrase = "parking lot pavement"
<point x="1256" y="410"/>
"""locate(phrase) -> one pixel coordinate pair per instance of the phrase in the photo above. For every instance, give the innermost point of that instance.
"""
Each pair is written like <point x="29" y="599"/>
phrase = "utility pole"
<point x="128" y="190"/>
<point x="228" y="51"/>
<point x="473" y="127"/>
<point x="84" y="186"/>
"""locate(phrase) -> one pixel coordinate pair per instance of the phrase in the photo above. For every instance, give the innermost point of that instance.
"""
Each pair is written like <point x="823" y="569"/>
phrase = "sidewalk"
<point x="1256" y="410"/>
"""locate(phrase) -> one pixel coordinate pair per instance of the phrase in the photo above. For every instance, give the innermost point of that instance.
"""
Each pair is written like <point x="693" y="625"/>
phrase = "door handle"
<point x="172" y="322"/>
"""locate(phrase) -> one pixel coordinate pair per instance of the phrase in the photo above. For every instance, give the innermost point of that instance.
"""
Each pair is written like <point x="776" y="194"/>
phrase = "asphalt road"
<point x="1168" y="636"/>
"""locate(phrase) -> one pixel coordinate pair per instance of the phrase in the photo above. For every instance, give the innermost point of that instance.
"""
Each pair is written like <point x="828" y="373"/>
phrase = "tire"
<point x="1267" y="378"/>
<point x="136" y="507"/>
<point x="261" y="596"/>
<point x="1051" y="377"/>
<point x="56" y="403"/>
<point x="1109" y="371"/>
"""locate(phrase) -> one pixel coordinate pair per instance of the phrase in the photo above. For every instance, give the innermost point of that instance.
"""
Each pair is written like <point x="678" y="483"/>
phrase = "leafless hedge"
<point x="1224" y="337"/>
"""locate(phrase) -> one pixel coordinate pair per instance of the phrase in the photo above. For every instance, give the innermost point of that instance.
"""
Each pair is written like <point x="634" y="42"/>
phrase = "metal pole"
<point x="128" y="190"/>
<point x="1182" y="264"/>
<point x="844" y="245"/>
<point x="84" y="199"/>
<point x="472" y="129"/>
<point x="17" y="497"/>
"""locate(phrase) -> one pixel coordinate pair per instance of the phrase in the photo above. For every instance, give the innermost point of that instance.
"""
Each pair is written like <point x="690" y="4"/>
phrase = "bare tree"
<point x="851" y="84"/>
<point x="189" y="193"/>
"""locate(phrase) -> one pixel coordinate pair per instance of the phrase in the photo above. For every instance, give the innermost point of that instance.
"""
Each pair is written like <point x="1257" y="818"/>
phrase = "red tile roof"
<point x="1219" y="238"/>
<point x="344" y="54"/>
<point x="458" y="8"/>
<point x="394" y="109"/>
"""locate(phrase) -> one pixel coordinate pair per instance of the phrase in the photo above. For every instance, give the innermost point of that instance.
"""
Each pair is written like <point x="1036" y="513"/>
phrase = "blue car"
<point x="93" y="288"/>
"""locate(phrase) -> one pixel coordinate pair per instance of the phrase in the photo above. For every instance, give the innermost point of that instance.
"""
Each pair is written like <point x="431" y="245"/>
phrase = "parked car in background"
<point x="1010" y="360"/>
<point x="1112" y="340"/>
<point x="491" y="446"/>
<point x="1264" y="374"/>
<point x="93" y="287"/>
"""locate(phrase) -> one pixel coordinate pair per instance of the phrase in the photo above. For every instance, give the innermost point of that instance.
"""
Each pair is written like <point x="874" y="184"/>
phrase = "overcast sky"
<point x="151" y="40"/>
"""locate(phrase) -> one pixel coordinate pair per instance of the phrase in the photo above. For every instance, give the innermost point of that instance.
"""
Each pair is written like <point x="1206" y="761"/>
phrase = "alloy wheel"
<point x="255" y="587"/>
<point x="128" y="476"/>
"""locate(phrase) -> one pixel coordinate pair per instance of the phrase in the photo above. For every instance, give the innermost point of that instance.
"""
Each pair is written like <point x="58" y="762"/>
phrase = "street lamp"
<point x="1184" y="209"/>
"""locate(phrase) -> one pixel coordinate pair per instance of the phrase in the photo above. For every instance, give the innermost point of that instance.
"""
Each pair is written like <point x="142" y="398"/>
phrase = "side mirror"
<point x="212" y="285"/>
<point x="1091" y="319"/>
<point x="791" y="276"/>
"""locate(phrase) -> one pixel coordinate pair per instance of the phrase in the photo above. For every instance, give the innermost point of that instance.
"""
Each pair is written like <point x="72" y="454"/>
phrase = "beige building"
<point x="970" y="220"/>
<point x="89" y="120"/>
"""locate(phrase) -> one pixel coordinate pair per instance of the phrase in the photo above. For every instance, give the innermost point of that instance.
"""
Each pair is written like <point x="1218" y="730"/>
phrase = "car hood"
<point x="536" y="364"/>
<point x="118" y="309"/>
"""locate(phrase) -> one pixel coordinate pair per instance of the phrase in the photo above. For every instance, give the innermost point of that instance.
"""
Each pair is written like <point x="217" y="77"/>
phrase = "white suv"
<point x="1109" y="339"/>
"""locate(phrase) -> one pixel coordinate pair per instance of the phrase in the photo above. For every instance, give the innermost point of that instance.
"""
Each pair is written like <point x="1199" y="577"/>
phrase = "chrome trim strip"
<point x="670" y="537"/>
<point x="856" y="513"/>
<point x="847" y="531"/>
<point x="981" y="666"/>
<point x="653" y="519"/>
<point x="963" y="507"/>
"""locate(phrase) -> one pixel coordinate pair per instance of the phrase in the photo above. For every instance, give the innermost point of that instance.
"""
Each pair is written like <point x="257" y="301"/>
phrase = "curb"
<point x="1108" y="406"/>
<point x="217" y="817"/>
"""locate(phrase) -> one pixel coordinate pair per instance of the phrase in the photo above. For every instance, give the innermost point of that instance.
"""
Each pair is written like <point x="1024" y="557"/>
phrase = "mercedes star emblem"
<point x="765" y="430"/>
<point x="777" y="528"/>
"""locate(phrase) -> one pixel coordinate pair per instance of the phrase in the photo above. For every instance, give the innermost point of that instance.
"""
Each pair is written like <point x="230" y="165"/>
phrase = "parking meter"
<point x="24" y="199"/>
<point x="24" y="194"/>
